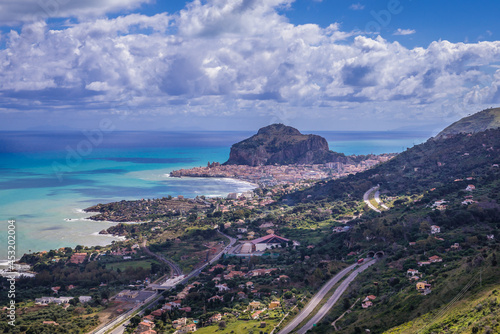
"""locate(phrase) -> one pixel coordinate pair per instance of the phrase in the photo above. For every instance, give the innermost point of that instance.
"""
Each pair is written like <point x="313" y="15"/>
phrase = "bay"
<point x="47" y="178"/>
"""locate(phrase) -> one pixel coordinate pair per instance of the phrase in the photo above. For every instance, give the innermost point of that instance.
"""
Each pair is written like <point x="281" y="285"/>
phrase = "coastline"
<point x="225" y="178"/>
<point x="69" y="225"/>
<point x="40" y="202"/>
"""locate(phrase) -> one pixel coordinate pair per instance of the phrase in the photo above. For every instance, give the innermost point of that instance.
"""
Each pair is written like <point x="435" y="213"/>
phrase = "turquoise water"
<point x="375" y="142"/>
<point x="46" y="179"/>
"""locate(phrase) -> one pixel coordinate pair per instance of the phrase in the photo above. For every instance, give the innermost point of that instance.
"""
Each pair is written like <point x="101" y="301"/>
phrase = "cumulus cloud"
<point x="16" y="11"/>
<point x="403" y="32"/>
<point x="226" y="56"/>
<point x="237" y="17"/>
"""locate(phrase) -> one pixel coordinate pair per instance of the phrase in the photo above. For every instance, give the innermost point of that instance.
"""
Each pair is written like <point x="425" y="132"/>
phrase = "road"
<point x="128" y="314"/>
<point x="154" y="299"/>
<point x="366" y="198"/>
<point x="175" y="270"/>
<point x="315" y="300"/>
<point x="334" y="298"/>
<point x="120" y="329"/>
<point x="216" y="258"/>
<point x="379" y="201"/>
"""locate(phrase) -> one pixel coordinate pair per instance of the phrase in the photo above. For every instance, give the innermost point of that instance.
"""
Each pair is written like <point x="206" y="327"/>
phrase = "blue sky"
<point x="242" y="64"/>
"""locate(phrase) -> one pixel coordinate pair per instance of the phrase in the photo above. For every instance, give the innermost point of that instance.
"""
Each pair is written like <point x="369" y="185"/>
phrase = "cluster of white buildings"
<point x="61" y="300"/>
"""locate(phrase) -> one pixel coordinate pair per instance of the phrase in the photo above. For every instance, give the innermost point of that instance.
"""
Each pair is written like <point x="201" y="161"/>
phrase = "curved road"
<point x="366" y="198"/>
<point x="315" y="300"/>
<point x="175" y="269"/>
<point x="379" y="201"/>
<point x="334" y="298"/>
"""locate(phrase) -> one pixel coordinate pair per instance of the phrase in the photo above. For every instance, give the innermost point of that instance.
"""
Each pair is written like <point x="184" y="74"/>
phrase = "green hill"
<point x="479" y="313"/>
<point x="481" y="121"/>
<point x="411" y="184"/>
<point x="432" y="164"/>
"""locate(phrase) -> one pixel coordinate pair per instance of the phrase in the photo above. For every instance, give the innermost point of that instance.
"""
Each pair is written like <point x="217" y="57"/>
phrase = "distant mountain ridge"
<point x="478" y="122"/>
<point x="283" y="145"/>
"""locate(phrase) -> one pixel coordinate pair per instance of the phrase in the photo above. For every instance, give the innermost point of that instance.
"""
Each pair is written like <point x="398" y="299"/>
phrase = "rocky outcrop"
<point x="283" y="145"/>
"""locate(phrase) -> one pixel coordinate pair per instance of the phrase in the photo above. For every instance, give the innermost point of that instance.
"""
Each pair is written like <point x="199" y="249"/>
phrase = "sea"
<point x="48" y="178"/>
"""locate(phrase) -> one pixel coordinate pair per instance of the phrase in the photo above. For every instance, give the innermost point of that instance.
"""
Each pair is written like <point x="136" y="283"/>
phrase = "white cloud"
<point x="357" y="6"/>
<point x="404" y="32"/>
<point x="236" y="17"/>
<point x="97" y="86"/>
<point x="15" y="11"/>
<point x="225" y="57"/>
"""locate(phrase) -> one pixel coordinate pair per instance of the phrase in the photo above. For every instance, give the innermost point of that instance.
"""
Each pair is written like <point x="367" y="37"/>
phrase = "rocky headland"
<point x="282" y="145"/>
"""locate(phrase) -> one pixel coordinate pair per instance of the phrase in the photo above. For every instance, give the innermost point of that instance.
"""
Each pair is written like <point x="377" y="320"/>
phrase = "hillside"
<point x="283" y="145"/>
<point x="481" y="121"/>
<point x="467" y="244"/>
<point x="424" y="186"/>
<point x="477" y="314"/>
<point x="432" y="164"/>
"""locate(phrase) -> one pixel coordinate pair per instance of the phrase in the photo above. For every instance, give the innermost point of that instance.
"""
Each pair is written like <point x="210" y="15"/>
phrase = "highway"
<point x="334" y="298"/>
<point x="379" y="201"/>
<point x="155" y="298"/>
<point x="103" y="329"/>
<point x="315" y="300"/>
<point x="366" y="198"/>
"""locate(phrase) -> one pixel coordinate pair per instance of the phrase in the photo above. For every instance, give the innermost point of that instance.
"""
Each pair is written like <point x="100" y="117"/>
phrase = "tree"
<point x="135" y="320"/>
<point x="346" y="303"/>
<point x="222" y="324"/>
<point x="155" y="268"/>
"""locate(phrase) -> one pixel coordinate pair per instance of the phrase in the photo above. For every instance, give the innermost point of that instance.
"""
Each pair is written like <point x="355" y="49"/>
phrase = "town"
<point x="271" y="175"/>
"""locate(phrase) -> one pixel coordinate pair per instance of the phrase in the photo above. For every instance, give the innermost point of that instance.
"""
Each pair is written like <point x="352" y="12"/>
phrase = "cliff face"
<point x="281" y="144"/>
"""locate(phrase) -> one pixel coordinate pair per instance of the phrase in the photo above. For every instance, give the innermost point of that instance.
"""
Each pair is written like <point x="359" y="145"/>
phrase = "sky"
<point x="242" y="64"/>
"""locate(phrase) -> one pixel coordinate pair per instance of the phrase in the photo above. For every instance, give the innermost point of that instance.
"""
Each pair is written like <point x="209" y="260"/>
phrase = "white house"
<point x="268" y="241"/>
<point x="470" y="187"/>
<point x="84" y="299"/>
<point x="412" y="272"/>
<point x="57" y="300"/>
<point x="435" y="229"/>
<point x="232" y="196"/>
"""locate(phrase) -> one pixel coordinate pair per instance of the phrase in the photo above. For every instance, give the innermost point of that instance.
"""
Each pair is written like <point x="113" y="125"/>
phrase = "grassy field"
<point x="188" y="254"/>
<point x="309" y="233"/>
<point x="146" y="264"/>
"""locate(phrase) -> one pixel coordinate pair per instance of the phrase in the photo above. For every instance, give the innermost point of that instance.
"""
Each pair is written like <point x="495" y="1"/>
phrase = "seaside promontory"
<point x="283" y="145"/>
